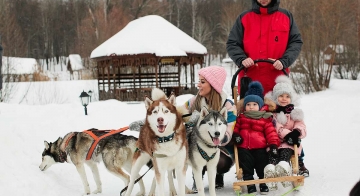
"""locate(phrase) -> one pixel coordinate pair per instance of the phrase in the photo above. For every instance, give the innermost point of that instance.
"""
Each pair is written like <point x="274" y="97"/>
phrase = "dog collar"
<point x="204" y="154"/>
<point x="166" y="138"/>
<point x="62" y="157"/>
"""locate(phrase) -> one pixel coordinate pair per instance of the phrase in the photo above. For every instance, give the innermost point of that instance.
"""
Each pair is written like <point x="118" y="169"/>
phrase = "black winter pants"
<point x="252" y="159"/>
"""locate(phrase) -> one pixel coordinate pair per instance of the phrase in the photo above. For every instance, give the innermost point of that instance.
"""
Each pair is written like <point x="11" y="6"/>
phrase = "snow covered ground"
<point x="331" y="147"/>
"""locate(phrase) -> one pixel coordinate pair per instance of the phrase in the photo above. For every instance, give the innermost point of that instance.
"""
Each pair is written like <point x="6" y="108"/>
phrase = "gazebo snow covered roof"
<point x="149" y="35"/>
<point x="148" y="52"/>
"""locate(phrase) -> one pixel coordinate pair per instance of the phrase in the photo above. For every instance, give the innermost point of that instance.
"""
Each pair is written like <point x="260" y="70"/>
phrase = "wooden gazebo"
<point x="149" y="52"/>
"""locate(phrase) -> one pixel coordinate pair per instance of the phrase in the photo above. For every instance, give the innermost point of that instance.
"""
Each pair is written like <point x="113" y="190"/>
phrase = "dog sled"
<point x="297" y="180"/>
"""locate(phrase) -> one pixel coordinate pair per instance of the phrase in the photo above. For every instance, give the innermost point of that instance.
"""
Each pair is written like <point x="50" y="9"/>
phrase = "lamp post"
<point x="84" y="97"/>
<point x="90" y="93"/>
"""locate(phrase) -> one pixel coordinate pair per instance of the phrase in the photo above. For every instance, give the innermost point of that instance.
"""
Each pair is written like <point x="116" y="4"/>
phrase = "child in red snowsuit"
<point x="254" y="132"/>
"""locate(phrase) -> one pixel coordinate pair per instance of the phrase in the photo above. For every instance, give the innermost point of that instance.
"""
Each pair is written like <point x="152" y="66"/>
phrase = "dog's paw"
<point x="189" y="191"/>
<point x="97" y="191"/>
<point x="87" y="191"/>
<point x="140" y="193"/>
<point x="172" y="193"/>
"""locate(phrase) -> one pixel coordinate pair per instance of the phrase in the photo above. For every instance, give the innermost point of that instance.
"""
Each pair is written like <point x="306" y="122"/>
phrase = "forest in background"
<point x="44" y="29"/>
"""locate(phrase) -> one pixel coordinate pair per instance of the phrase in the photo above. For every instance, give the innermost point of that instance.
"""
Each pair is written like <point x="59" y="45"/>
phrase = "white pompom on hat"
<point x="215" y="75"/>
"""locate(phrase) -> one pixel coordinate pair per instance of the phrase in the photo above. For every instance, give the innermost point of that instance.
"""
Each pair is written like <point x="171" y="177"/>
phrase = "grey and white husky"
<point x="204" y="141"/>
<point x="116" y="151"/>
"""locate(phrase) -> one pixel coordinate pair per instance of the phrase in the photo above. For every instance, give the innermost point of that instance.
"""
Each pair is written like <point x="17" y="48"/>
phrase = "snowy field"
<point x="331" y="147"/>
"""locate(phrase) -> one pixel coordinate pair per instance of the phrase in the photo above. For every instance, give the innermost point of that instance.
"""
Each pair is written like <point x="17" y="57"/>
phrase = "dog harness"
<point x="97" y="139"/>
<point x="204" y="154"/>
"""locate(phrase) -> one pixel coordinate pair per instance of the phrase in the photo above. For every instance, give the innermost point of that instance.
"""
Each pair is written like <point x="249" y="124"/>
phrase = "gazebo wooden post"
<point x="157" y="75"/>
<point x="108" y="75"/>
<point x="98" y="73"/>
<point x="192" y="68"/>
<point x="114" y="75"/>
<point x="179" y="71"/>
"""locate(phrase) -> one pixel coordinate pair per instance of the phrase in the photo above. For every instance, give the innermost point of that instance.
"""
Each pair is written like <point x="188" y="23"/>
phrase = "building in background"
<point x="75" y="66"/>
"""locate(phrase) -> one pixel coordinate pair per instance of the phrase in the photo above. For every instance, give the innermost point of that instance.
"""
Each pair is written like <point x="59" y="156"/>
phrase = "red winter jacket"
<point x="256" y="133"/>
<point x="262" y="33"/>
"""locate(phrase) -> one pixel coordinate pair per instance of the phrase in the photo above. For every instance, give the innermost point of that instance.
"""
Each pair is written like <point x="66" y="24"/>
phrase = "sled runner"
<point x="297" y="180"/>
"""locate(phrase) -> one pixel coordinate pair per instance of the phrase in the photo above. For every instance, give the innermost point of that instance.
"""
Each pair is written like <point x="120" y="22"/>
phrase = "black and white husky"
<point x="116" y="151"/>
<point x="204" y="141"/>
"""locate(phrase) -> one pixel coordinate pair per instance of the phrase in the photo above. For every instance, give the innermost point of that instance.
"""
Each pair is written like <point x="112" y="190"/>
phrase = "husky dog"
<point x="204" y="141"/>
<point x="162" y="139"/>
<point x="116" y="151"/>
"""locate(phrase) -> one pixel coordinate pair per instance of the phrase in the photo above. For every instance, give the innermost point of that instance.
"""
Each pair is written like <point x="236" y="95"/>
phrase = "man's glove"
<point x="293" y="137"/>
<point x="237" y="139"/>
<point x="273" y="151"/>
<point x="136" y="125"/>
<point x="195" y="115"/>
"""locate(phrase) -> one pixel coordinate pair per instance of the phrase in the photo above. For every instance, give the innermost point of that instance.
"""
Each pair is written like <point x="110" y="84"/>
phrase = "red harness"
<point x="97" y="139"/>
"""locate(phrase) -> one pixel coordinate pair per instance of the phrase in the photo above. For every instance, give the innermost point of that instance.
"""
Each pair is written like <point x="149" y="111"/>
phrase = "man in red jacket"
<point x="264" y="32"/>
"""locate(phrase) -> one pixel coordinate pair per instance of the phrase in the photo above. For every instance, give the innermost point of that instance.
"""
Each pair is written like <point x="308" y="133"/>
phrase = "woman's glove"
<point x="136" y="125"/>
<point x="195" y="115"/>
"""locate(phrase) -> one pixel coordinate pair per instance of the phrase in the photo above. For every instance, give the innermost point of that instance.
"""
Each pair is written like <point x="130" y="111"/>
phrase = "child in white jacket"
<point x="290" y="126"/>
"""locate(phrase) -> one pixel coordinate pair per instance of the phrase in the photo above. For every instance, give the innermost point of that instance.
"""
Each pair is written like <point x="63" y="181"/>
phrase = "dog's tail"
<point x="66" y="140"/>
<point x="157" y="94"/>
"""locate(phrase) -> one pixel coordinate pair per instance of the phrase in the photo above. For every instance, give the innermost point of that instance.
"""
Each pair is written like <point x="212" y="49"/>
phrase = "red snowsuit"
<point x="256" y="133"/>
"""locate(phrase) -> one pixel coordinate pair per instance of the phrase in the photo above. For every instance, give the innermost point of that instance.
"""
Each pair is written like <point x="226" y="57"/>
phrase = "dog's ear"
<point x="58" y="141"/>
<point x="172" y="99"/>
<point x="204" y="112"/>
<point x="46" y="144"/>
<point x="223" y="112"/>
<point x="148" y="102"/>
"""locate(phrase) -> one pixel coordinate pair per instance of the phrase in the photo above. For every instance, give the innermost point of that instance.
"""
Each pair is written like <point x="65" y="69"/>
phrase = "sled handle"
<point x="241" y="67"/>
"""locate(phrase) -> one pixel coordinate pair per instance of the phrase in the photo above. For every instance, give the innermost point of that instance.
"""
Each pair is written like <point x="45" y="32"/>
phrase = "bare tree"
<point x="193" y="16"/>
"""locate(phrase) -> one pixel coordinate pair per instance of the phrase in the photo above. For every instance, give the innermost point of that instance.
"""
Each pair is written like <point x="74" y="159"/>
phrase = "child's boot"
<point x="264" y="190"/>
<point x="302" y="169"/>
<point x="269" y="172"/>
<point x="251" y="188"/>
<point x="283" y="169"/>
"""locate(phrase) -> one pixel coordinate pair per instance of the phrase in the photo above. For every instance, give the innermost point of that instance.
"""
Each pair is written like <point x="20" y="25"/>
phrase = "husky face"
<point x="213" y="125"/>
<point x="161" y="115"/>
<point x="51" y="154"/>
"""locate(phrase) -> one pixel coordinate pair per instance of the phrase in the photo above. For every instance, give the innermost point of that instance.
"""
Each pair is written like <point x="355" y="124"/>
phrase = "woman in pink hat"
<point x="211" y="83"/>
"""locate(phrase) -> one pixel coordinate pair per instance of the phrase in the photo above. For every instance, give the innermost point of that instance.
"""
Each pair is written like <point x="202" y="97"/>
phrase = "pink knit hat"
<point x="215" y="75"/>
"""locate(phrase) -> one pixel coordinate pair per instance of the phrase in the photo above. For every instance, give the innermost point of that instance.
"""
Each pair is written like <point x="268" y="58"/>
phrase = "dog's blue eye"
<point x="166" y="111"/>
<point x="210" y="124"/>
